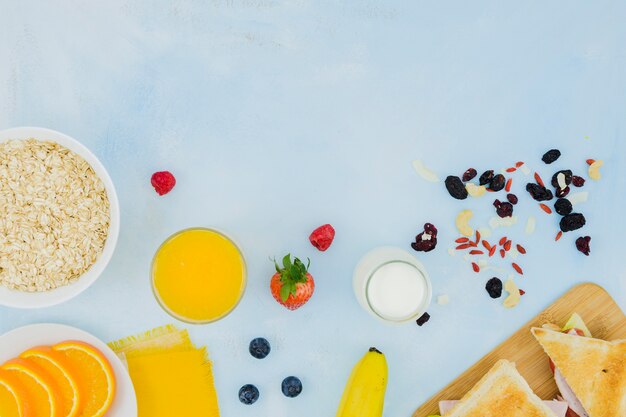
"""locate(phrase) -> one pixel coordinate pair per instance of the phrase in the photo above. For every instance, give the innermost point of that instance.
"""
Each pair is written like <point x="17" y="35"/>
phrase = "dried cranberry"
<point x="486" y="177"/>
<point x="423" y="319"/>
<point x="469" y="175"/>
<point x="538" y="192"/>
<point x="551" y="156"/>
<point x="561" y="192"/>
<point x="494" y="287"/>
<point x="497" y="183"/>
<point x="427" y="240"/>
<point x="512" y="198"/>
<point x="572" y="221"/>
<point x="568" y="177"/>
<point x="455" y="187"/>
<point x="563" y="206"/>
<point x="503" y="209"/>
<point x="582" y="244"/>
<point x="578" y="181"/>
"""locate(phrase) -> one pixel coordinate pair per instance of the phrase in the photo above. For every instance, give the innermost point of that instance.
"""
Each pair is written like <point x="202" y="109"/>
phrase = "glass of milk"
<point x="392" y="285"/>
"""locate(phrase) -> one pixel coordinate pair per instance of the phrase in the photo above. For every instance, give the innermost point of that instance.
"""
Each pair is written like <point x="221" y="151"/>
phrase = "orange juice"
<point x="198" y="275"/>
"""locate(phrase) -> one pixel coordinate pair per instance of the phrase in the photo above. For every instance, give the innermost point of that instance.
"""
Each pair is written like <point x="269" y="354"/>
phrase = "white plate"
<point x="21" y="299"/>
<point x="18" y="340"/>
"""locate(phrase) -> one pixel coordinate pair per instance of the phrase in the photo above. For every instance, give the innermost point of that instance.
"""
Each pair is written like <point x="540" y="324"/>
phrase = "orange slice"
<point x="12" y="397"/>
<point x="95" y="376"/>
<point x="42" y="393"/>
<point x="65" y="376"/>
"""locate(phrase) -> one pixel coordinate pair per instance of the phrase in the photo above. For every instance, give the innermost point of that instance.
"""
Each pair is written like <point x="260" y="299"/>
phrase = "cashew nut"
<point x="462" y="222"/>
<point x="475" y="190"/>
<point x="594" y="170"/>
<point x="514" y="296"/>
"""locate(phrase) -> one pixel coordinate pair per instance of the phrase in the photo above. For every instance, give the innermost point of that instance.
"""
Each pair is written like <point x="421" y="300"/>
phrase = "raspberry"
<point x="322" y="237"/>
<point x="163" y="182"/>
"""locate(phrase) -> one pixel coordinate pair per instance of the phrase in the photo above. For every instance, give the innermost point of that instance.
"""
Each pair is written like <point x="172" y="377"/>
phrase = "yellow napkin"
<point x="170" y="375"/>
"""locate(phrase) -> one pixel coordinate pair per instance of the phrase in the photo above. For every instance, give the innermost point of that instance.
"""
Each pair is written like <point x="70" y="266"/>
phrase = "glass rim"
<point x="177" y="316"/>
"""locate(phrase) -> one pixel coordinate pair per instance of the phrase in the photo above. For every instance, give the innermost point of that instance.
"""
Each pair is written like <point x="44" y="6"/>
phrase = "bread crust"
<point x="501" y="392"/>
<point x="594" y="369"/>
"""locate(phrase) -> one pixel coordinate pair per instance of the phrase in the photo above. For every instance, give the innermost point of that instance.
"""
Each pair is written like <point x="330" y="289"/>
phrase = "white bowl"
<point x="23" y="299"/>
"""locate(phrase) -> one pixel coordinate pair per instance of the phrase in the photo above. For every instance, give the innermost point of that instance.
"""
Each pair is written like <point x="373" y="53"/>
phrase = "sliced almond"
<point x="514" y="296"/>
<point x="424" y="172"/>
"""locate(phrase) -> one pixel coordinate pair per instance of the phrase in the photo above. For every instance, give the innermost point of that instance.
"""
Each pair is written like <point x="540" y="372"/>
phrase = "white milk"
<point x="396" y="291"/>
<point x="392" y="285"/>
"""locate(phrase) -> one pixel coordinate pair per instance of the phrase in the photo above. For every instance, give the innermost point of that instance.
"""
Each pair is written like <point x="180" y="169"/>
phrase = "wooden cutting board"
<point x="601" y="314"/>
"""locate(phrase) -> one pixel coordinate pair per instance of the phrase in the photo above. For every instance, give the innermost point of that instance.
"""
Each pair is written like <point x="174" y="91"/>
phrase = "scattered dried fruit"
<point x="475" y="267"/>
<point x="462" y="222"/>
<point x="423" y="319"/>
<point x="578" y="181"/>
<point x="551" y="156"/>
<point x="518" y="164"/>
<point x="502" y="253"/>
<point x="497" y="183"/>
<point x="561" y="192"/>
<point x="502" y="241"/>
<point x="462" y="240"/>
<point x="494" y="287"/>
<point x="507" y="187"/>
<point x="469" y="175"/>
<point x="545" y="208"/>
<point x="521" y="249"/>
<point x="582" y="244"/>
<point x="558" y="236"/>
<point x="322" y="237"/>
<point x="486" y="245"/>
<point x="503" y="209"/>
<point x="522" y="292"/>
<point x="563" y="206"/>
<point x="512" y="198"/>
<point x="163" y="182"/>
<point x="426" y="240"/>
<point x="476" y="252"/>
<point x="455" y="187"/>
<point x="507" y="245"/>
<point x="590" y="161"/>
<point x="486" y="177"/>
<point x="572" y="221"/>
<point x="463" y="246"/>
<point x="517" y="268"/>
<point x="566" y="178"/>
<point x="539" y="180"/>
<point x="492" y="251"/>
<point x="539" y="192"/>
<point x="512" y="169"/>
<point x="594" y="170"/>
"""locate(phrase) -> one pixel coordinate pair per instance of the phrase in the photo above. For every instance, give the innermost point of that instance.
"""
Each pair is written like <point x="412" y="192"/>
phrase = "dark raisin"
<point x="430" y="229"/>
<point x="538" y="192"/>
<point x="512" y="198"/>
<point x="427" y="240"/>
<point x="497" y="183"/>
<point x="486" y="177"/>
<point x="563" y="206"/>
<point x="470" y="174"/>
<point x="494" y="287"/>
<point x="568" y="177"/>
<point x="582" y="244"/>
<point x="551" y="156"/>
<point x="578" y="181"/>
<point x="503" y="209"/>
<point x="455" y="187"/>
<point x="572" y="221"/>
<point x="561" y="192"/>
<point x="423" y="319"/>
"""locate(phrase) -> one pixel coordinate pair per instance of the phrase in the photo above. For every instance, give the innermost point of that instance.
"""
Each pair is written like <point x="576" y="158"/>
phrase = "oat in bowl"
<point x="59" y="218"/>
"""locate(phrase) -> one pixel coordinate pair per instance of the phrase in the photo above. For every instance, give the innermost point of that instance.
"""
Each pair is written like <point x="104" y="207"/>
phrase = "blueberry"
<point x="291" y="386"/>
<point x="260" y="348"/>
<point x="248" y="394"/>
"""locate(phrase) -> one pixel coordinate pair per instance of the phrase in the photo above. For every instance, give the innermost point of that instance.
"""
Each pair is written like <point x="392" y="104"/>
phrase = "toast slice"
<point x="594" y="369"/>
<point x="502" y="392"/>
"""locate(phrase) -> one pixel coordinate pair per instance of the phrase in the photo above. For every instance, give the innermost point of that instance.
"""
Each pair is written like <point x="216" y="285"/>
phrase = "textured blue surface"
<point x="278" y="116"/>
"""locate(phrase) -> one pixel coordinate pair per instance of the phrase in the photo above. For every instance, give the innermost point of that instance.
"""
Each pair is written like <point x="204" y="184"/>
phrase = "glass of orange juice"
<point x="198" y="275"/>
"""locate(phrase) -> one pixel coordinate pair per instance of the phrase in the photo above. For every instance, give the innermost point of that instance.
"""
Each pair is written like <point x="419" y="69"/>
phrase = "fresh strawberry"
<point x="292" y="285"/>
<point x="322" y="237"/>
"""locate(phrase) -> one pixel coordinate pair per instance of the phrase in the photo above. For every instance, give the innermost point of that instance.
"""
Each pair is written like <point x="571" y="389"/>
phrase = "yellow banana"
<point x="364" y="394"/>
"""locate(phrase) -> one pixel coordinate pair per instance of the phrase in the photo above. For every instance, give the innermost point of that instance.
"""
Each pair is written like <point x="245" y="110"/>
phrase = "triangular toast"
<point x="502" y="392"/>
<point x="594" y="369"/>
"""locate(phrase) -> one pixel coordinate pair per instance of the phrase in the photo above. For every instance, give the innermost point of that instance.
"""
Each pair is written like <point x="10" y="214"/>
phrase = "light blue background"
<point x="279" y="116"/>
